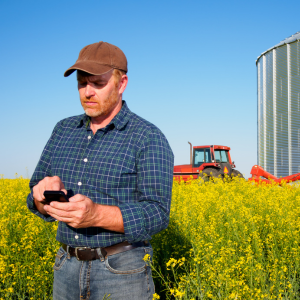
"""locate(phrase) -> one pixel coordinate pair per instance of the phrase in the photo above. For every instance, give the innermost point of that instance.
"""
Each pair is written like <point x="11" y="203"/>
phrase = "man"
<point x="116" y="169"/>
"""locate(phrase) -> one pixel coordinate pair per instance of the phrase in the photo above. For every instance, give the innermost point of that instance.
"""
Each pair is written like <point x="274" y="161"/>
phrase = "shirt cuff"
<point x="133" y="220"/>
<point x="31" y="206"/>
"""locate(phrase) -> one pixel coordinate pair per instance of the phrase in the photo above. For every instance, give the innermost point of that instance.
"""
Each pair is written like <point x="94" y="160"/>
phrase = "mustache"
<point x="86" y="100"/>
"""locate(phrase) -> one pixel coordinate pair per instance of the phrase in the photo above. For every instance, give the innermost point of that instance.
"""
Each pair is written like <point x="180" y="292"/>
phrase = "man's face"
<point x="99" y="94"/>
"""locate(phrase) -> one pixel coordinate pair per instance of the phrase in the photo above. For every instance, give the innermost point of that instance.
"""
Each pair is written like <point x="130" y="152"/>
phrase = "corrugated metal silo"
<point x="278" y="80"/>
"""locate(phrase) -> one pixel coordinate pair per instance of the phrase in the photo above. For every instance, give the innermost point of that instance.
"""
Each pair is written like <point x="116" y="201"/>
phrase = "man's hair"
<point x="118" y="75"/>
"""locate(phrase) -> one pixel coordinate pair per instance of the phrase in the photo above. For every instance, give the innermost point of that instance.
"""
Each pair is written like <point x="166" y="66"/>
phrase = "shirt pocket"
<point x="114" y="171"/>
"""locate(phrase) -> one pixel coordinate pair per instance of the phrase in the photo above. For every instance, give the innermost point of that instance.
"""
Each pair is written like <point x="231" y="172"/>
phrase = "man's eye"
<point x="99" y="83"/>
<point x="82" y="82"/>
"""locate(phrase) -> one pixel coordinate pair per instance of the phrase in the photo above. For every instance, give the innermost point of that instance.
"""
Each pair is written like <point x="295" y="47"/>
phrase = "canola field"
<point x="230" y="240"/>
<point x="226" y="240"/>
<point x="27" y="246"/>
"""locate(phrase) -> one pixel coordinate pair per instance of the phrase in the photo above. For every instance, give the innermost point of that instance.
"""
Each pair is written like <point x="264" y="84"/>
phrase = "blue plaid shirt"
<point x="129" y="163"/>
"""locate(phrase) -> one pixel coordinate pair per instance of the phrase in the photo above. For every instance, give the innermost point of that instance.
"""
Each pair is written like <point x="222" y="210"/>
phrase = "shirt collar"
<point x="119" y="121"/>
<point x="123" y="116"/>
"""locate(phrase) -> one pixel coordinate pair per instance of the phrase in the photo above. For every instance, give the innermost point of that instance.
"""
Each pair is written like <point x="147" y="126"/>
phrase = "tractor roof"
<point x="214" y="146"/>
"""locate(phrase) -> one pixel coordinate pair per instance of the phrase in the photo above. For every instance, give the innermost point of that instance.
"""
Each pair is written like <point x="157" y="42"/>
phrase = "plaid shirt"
<point x="129" y="163"/>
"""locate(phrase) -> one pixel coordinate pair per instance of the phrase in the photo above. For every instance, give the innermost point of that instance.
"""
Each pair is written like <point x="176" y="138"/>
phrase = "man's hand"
<point x="48" y="183"/>
<point x="82" y="212"/>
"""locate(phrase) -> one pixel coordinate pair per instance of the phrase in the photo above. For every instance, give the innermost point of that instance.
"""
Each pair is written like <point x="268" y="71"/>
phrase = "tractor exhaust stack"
<point x="191" y="153"/>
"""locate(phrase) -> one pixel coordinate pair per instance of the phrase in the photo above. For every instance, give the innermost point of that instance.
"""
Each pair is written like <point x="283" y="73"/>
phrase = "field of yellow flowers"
<point x="226" y="240"/>
<point x="27" y="246"/>
<point x="230" y="240"/>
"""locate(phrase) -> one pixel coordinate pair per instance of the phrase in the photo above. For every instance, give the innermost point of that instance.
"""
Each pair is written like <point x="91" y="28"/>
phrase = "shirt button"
<point x="89" y="137"/>
<point x="76" y="237"/>
<point x="79" y="183"/>
<point x="85" y="160"/>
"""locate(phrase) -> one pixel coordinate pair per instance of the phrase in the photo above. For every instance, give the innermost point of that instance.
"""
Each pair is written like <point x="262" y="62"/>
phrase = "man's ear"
<point x="123" y="83"/>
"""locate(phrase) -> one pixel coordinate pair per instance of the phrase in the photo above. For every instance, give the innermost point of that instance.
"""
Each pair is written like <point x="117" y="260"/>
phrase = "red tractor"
<point x="213" y="161"/>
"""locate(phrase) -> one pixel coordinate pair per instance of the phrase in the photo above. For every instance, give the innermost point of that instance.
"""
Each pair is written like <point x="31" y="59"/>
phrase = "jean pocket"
<point x="60" y="259"/>
<point x="128" y="262"/>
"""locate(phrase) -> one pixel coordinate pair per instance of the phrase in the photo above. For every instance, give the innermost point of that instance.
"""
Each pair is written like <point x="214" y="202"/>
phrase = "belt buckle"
<point x="79" y="248"/>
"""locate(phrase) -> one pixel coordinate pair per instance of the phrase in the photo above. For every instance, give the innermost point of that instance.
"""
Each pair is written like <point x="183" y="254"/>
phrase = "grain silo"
<point x="278" y="77"/>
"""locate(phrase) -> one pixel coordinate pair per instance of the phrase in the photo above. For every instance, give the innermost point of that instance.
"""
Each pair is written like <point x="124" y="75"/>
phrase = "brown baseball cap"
<point x="99" y="58"/>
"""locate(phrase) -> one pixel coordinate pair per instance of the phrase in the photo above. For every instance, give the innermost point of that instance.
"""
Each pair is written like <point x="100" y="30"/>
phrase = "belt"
<point x="85" y="253"/>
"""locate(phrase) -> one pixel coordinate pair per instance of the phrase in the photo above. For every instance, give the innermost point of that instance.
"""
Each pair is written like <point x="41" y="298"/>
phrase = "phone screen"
<point x="55" y="196"/>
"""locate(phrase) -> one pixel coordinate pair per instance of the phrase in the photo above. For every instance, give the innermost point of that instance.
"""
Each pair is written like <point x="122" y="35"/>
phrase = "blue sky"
<point x="191" y="64"/>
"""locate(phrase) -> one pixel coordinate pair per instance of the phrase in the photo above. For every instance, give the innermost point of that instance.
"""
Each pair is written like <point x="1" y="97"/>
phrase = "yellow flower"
<point x="178" y="293"/>
<point x="147" y="257"/>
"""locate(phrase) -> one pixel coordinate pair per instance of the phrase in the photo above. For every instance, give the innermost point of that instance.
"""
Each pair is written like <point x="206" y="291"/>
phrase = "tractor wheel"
<point x="208" y="173"/>
<point x="236" y="173"/>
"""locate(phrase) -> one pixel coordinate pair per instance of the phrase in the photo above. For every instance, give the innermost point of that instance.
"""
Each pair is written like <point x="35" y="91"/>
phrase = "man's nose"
<point x="89" y="90"/>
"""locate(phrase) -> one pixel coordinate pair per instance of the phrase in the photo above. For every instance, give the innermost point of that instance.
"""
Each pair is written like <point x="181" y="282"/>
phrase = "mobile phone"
<point x="55" y="196"/>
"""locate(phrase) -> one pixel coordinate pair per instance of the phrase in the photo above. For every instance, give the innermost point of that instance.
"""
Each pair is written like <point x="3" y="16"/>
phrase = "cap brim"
<point x="88" y="67"/>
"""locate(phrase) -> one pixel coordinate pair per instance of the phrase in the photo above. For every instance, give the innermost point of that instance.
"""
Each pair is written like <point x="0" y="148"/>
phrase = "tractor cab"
<point x="215" y="156"/>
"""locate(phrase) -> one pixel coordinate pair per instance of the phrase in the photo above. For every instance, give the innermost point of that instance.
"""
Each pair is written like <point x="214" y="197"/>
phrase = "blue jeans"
<point x="124" y="276"/>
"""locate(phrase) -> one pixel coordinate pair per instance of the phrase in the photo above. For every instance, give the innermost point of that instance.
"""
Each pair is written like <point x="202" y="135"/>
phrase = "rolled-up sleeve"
<point x="148" y="216"/>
